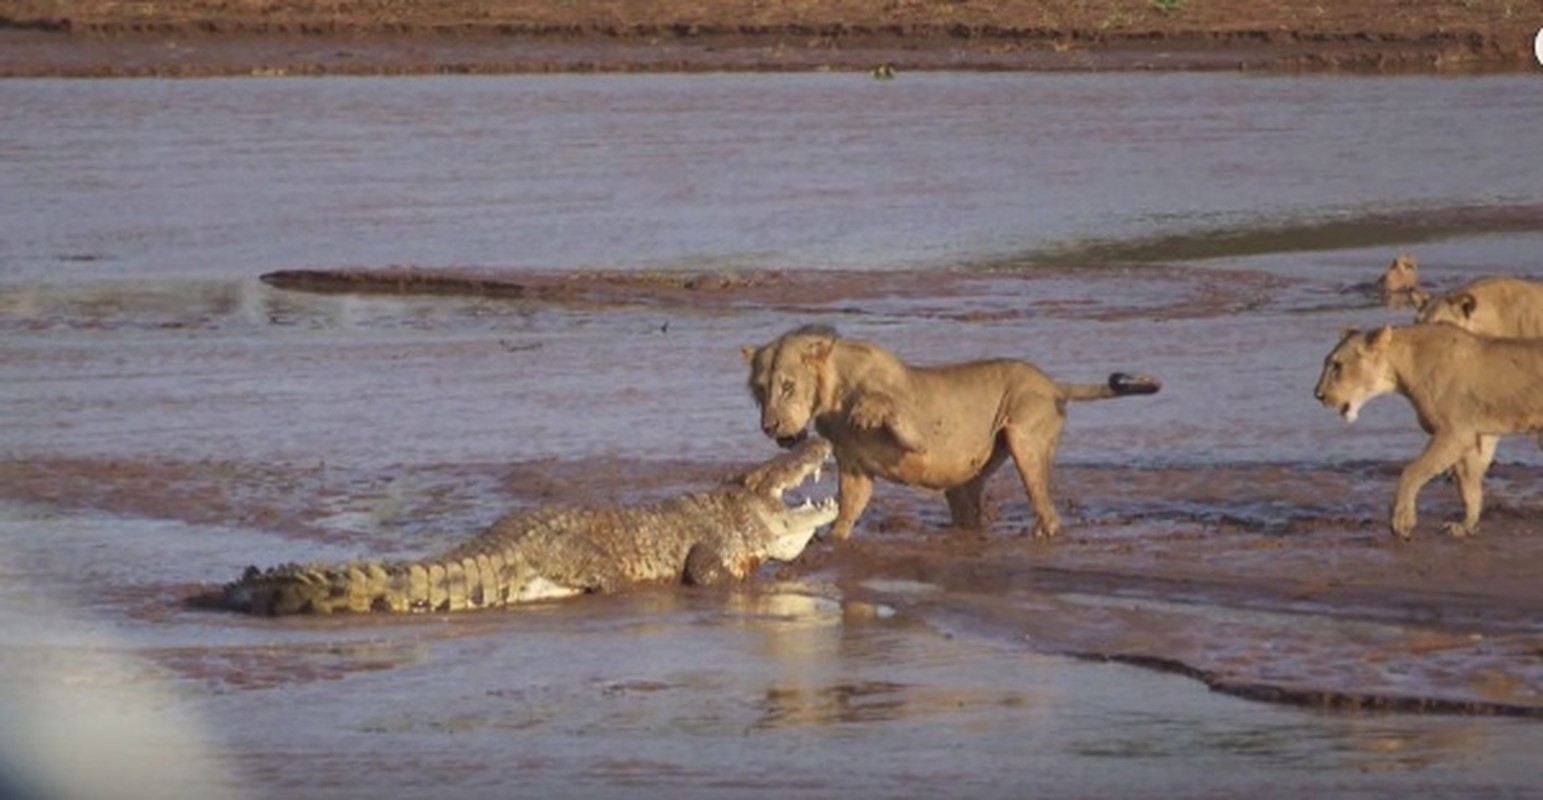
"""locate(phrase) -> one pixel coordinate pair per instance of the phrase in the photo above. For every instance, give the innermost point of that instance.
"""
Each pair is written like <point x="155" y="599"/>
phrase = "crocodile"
<point x="548" y="552"/>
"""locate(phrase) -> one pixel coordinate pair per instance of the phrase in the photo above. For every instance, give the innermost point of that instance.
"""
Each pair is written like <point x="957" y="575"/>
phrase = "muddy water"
<point x="168" y="419"/>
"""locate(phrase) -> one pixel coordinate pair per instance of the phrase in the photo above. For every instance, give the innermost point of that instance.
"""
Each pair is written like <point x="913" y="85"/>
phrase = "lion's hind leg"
<point x="966" y="504"/>
<point x="1469" y="471"/>
<point x="1033" y="451"/>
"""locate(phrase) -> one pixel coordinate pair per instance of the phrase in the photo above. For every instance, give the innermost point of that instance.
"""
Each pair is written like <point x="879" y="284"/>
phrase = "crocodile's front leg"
<point x="706" y="566"/>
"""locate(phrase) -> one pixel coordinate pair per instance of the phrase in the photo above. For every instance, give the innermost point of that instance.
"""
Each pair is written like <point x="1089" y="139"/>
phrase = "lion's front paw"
<point x="869" y="413"/>
<point x="1458" y="529"/>
<point x="838" y="532"/>
<point x="1047" y="529"/>
<point x="1402" y="523"/>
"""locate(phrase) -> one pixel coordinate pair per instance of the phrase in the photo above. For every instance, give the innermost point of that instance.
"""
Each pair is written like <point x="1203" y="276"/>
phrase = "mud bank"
<point x="906" y="294"/>
<point x="210" y="37"/>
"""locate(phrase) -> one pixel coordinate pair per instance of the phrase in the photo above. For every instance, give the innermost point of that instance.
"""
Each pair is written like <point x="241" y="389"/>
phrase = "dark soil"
<point x="240" y="37"/>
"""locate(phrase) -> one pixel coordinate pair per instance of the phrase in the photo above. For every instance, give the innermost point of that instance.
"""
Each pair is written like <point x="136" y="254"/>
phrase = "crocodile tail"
<point x="444" y="584"/>
<point x="1119" y="384"/>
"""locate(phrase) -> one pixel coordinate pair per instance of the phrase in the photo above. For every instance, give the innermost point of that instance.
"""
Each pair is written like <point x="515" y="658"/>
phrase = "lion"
<point x="1467" y="391"/>
<point x="944" y="427"/>
<point x="1399" y="285"/>
<point x="1508" y="307"/>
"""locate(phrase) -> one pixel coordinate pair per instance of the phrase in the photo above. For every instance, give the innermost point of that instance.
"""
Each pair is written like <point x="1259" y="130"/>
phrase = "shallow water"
<point x="769" y="689"/>
<point x="136" y="336"/>
<point x="229" y="178"/>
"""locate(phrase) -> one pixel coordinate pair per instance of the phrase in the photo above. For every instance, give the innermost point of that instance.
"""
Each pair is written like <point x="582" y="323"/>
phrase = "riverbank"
<point x="96" y="38"/>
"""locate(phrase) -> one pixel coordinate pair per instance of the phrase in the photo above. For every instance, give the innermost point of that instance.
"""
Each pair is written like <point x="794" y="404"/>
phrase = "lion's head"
<point x="787" y="378"/>
<point x="1400" y="279"/>
<point x="1454" y="309"/>
<point x="1355" y="371"/>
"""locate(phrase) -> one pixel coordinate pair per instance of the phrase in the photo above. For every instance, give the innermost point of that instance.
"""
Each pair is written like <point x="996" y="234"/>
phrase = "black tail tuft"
<point x="1121" y="383"/>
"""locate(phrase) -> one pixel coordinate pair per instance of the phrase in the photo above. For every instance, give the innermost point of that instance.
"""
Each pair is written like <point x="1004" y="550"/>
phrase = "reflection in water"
<point x="804" y="642"/>
<point x="211" y="305"/>
<point x="841" y="703"/>
<point x="788" y="706"/>
<point x="130" y="304"/>
<point x="812" y="645"/>
<point x="1376" y="748"/>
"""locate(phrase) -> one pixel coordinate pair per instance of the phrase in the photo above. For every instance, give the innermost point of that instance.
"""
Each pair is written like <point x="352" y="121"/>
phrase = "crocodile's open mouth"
<point x="794" y="479"/>
<point x="810" y="493"/>
<point x="808" y="503"/>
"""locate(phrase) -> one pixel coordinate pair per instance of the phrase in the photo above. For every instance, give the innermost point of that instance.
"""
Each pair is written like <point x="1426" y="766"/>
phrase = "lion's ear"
<point x="748" y="351"/>
<point x="819" y="350"/>
<point x="1381" y="339"/>
<point x="1466" y="303"/>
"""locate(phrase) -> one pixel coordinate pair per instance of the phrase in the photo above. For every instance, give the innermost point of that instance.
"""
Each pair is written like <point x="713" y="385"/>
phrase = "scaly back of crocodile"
<point x="555" y="552"/>
<point x="536" y="555"/>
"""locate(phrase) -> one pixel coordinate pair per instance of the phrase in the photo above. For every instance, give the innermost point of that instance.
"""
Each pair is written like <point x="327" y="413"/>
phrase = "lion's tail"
<point x="1119" y="385"/>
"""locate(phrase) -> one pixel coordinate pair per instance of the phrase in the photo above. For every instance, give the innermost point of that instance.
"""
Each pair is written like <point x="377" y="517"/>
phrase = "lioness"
<point x="1467" y="391"/>
<point x="945" y="427"/>
<point x="1400" y="284"/>
<point x="1491" y="307"/>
